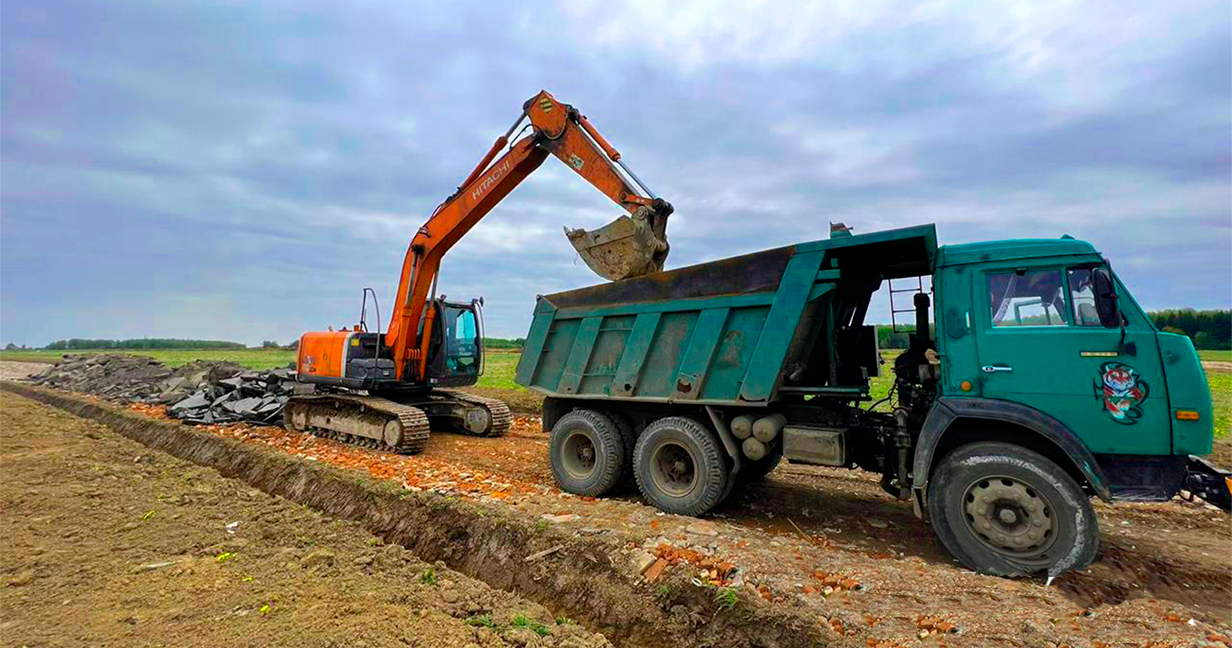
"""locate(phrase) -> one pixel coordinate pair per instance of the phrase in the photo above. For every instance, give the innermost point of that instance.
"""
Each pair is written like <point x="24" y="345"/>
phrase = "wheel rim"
<point x="579" y="455"/>
<point x="1011" y="518"/>
<point x="673" y="469"/>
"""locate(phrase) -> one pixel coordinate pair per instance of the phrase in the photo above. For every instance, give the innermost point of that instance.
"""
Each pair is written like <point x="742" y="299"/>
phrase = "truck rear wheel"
<point x="680" y="466"/>
<point x="588" y="453"/>
<point x="1005" y="510"/>
<point x="630" y="442"/>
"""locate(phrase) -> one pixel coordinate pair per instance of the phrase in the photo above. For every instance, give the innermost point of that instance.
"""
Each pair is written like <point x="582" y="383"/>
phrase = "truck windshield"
<point x="1031" y="298"/>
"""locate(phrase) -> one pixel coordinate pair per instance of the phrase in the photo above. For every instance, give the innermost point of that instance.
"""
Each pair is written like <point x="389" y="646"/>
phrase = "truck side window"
<point x="1082" y="294"/>
<point x="1030" y="298"/>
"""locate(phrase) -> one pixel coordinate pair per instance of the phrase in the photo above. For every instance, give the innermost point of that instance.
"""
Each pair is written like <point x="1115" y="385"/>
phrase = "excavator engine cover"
<point x="625" y="248"/>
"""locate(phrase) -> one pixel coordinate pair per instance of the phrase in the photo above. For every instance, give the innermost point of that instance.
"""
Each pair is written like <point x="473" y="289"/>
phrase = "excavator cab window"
<point x="462" y="345"/>
<point x="456" y="359"/>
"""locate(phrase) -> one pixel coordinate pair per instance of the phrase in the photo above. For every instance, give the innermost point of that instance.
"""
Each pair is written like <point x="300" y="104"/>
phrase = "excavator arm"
<point x="634" y="245"/>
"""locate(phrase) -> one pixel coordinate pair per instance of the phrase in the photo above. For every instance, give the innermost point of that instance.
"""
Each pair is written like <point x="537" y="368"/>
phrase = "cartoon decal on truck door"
<point x="1122" y="392"/>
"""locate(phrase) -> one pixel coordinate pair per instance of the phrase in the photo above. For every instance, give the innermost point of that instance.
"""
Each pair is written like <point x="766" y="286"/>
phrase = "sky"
<point x="242" y="170"/>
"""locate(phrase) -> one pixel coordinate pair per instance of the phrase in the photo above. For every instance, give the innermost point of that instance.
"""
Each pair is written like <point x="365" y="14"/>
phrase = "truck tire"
<point x="754" y="471"/>
<point x="1004" y="510"/>
<point x="680" y="466"/>
<point x="630" y="442"/>
<point x="588" y="453"/>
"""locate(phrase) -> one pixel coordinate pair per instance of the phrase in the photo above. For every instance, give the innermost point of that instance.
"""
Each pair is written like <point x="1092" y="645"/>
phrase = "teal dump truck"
<point x="1033" y="382"/>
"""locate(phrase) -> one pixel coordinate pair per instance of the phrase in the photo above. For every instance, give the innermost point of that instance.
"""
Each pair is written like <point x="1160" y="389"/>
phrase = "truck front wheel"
<point x="1004" y="510"/>
<point x="588" y="453"/>
<point x="680" y="466"/>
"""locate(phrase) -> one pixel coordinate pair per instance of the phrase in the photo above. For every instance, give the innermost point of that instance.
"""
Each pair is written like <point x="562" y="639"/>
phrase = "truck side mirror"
<point x="1106" y="298"/>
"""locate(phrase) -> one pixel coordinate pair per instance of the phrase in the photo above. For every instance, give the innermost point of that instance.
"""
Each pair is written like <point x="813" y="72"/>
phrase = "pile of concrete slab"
<point x="250" y="396"/>
<point x="114" y="376"/>
<point x="198" y="392"/>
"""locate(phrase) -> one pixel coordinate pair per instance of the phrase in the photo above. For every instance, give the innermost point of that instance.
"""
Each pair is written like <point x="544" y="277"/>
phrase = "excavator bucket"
<point x="625" y="248"/>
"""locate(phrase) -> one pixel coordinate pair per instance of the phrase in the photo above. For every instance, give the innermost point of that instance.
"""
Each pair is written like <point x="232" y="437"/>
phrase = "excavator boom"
<point x="635" y="244"/>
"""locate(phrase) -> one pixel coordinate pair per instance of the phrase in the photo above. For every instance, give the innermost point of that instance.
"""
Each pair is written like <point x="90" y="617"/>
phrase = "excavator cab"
<point x="456" y="357"/>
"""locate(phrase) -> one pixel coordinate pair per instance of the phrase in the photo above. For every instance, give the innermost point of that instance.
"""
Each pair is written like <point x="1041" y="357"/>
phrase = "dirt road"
<point x="106" y="543"/>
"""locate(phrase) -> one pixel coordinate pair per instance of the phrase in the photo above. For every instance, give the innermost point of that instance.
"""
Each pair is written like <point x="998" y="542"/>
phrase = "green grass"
<point x="1220" y="355"/>
<point x="521" y="621"/>
<point x="250" y="358"/>
<point x="497" y="381"/>
<point x="879" y="387"/>
<point x="498" y="369"/>
<point x="1221" y="394"/>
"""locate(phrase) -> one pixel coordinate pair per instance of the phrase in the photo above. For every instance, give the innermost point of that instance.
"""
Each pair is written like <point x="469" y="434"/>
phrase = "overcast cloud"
<point x="241" y="170"/>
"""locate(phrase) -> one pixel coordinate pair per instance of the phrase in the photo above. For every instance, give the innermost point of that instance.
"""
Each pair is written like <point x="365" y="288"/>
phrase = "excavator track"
<point x="367" y="421"/>
<point x="499" y="418"/>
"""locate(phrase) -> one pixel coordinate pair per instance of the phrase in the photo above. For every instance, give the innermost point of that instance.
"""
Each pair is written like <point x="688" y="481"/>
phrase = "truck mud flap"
<point x="1208" y="482"/>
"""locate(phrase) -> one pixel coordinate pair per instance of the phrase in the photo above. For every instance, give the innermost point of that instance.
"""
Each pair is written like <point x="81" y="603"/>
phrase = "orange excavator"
<point x="387" y="390"/>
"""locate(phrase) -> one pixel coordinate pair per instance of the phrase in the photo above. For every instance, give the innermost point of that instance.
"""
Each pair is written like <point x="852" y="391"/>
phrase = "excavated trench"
<point x="583" y="577"/>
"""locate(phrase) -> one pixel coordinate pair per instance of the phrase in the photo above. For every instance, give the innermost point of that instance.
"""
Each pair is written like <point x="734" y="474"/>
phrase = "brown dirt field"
<point x="1161" y="564"/>
<point x="828" y="544"/>
<point x="106" y="543"/>
<point x="18" y="370"/>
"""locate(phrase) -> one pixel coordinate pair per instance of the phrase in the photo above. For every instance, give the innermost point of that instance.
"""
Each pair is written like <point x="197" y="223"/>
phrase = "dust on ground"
<point x="830" y="542"/>
<point x="18" y="370"/>
<point x="106" y="542"/>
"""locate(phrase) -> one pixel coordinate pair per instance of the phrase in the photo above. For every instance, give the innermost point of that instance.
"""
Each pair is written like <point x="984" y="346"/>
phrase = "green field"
<point x="251" y="358"/>
<point x="1221" y="355"/>
<point x="497" y="380"/>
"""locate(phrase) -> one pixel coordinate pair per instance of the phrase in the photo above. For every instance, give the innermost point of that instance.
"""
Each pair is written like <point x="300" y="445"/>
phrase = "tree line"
<point x="142" y="343"/>
<point x="1209" y="329"/>
<point x="77" y="344"/>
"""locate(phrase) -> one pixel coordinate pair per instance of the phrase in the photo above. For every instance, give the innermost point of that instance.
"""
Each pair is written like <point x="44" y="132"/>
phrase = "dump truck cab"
<point x="1041" y="336"/>
<point x="1032" y="383"/>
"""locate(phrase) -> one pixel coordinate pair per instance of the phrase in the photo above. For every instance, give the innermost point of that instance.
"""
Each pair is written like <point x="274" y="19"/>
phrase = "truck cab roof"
<point x="964" y="253"/>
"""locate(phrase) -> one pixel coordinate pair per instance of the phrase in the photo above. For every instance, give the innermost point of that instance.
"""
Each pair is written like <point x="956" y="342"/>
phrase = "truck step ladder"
<point x="918" y="288"/>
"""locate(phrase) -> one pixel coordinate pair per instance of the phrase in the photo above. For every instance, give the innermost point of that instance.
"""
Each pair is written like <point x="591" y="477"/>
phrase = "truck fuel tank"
<point x="815" y="445"/>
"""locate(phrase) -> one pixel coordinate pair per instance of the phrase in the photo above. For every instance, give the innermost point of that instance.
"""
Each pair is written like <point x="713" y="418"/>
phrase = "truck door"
<point x="1040" y="343"/>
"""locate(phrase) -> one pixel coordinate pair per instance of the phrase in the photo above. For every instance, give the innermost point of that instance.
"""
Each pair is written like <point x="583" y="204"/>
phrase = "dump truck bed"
<point x="700" y="333"/>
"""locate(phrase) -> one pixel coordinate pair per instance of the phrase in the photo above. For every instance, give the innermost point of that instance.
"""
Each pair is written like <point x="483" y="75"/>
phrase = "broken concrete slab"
<point x="195" y="401"/>
<point x="202" y="392"/>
